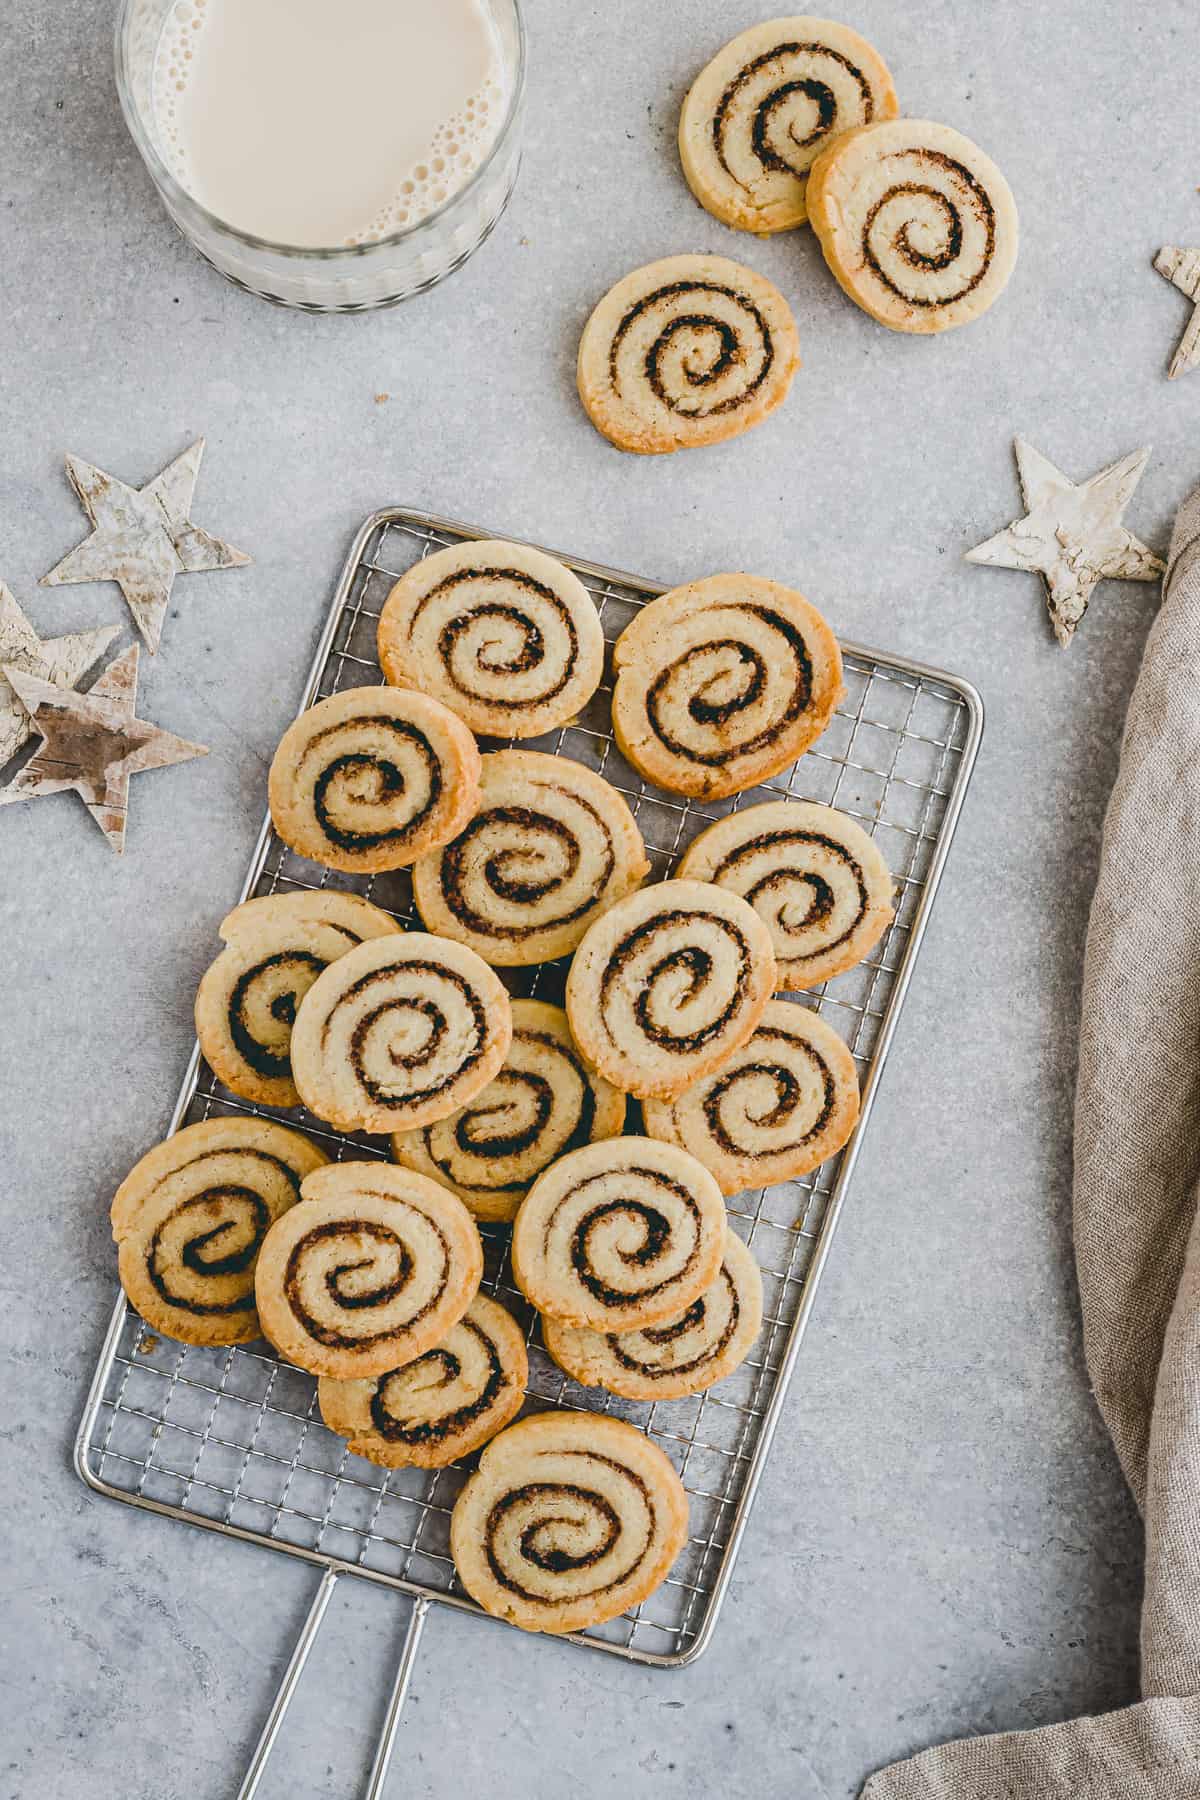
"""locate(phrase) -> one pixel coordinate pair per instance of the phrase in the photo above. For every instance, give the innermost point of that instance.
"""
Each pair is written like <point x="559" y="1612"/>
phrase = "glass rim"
<point x="176" y="193"/>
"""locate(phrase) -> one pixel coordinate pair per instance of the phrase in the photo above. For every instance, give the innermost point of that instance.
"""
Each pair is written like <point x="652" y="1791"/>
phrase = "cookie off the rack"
<point x="503" y="635"/>
<point x="723" y="683"/>
<point x="543" y="1102"/>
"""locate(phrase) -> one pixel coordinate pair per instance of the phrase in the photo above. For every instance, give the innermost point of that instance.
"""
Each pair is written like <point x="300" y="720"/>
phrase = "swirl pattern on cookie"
<point x="371" y="1269"/>
<point x="723" y="683"/>
<point x="441" y="1406"/>
<point x="247" y="1001"/>
<point x="685" y="352"/>
<point x="190" y="1218"/>
<point x="399" y="1032"/>
<point x="506" y="637"/>
<point x="766" y="106"/>
<point x="544" y="1102"/>
<point x="684" y="1356"/>
<point x="668" y="984"/>
<point x="917" y="224"/>
<point x="550" y="848"/>
<point x="372" y="778"/>
<point x="812" y="875"/>
<point x="782" y="1104"/>
<point x="619" y="1236"/>
<point x="570" y="1519"/>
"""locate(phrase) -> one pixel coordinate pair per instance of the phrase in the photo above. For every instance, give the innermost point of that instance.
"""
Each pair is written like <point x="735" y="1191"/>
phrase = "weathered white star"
<point x="64" y="660"/>
<point x="1182" y="268"/>
<point x="143" y="538"/>
<point x="92" y="743"/>
<point x="1072" y="535"/>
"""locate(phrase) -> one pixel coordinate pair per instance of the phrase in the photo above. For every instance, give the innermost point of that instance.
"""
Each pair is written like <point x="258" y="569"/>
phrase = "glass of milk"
<point x="328" y="154"/>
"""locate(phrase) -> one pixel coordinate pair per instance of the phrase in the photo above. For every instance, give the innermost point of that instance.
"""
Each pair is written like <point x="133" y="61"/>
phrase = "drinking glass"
<point x="345" y="278"/>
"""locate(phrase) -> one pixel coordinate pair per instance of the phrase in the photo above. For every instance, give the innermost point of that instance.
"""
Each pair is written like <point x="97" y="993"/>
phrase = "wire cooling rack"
<point x="231" y="1439"/>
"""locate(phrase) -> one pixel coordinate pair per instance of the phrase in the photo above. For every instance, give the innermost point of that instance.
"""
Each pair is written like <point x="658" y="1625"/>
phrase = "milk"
<point x="326" y="123"/>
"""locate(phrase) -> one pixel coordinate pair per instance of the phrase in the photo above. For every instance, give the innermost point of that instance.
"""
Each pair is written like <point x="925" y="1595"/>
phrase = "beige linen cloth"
<point x="1137" y="1239"/>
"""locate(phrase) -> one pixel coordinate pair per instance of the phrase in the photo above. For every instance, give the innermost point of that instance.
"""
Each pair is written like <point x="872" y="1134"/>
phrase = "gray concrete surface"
<point x="942" y="1543"/>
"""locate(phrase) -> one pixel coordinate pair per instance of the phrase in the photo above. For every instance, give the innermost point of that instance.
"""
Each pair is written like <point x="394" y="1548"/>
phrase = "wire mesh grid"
<point x="232" y="1438"/>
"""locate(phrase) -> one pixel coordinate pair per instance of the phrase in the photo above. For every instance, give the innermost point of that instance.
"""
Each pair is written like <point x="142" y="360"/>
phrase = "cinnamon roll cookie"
<point x="766" y="106"/>
<point x="569" y="1520"/>
<point x="551" y="847"/>
<point x="247" y="1000"/>
<point x="782" y="1104"/>
<point x="669" y="1362"/>
<point x="666" y="986"/>
<point x="812" y="875"/>
<point x="722" y="683"/>
<point x="544" y="1101"/>
<point x="399" y="1032"/>
<point x="372" y="778"/>
<point x="619" y="1236"/>
<point x="917" y="224"/>
<point x="372" y="1269"/>
<point x="685" y="352"/>
<point x="443" y="1405"/>
<point x="190" y="1218"/>
<point x="504" y="636"/>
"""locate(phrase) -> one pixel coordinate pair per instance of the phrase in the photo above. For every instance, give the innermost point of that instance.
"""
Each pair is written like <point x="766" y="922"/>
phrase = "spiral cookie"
<point x="504" y="636"/>
<point x="619" y="1235"/>
<point x="685" y="352"/>
<point x="722" y="683"/>
<point x="372" y="1269"/>
<point x="784" y="1103"/>
<point x="543" y="1102"/>
<point x="668" y="1362"/>
<point x="570" y="1519"/>
<point x="667" y="985"/>
<point x="813" y="875"/>
<point x="917" y="224"/>
<point x="442" y="1406"/>
<point x="399" y="1032"/>
<point x="247" y="1000"/>
<point x="373" y="778"/>
<point x="551" y="847"/>
<point x="766" y="106"/>
<point x="189" y="1220"/>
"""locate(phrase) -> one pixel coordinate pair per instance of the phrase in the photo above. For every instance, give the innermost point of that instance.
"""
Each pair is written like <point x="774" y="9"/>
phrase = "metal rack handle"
<point x="286" y="1690"/>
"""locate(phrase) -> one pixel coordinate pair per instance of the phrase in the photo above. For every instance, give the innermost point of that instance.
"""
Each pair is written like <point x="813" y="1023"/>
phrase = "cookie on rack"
<point x="723" y="683"/>
<point x="551" y="847"/>
<point x="779" y="1107"/>
<point x="372" y="778"/>
<point x="544" y="1101"/>
<point x="371" y="1269"/>
<point x="812" y="875"/>
<point x="400" y="1031"/>
<point x="668" y="1362"/>
<point x="503" y="635"/>
<point x="918" y="226"/>
<point x="619" y="1236"/>
<point x="570" y="1519"/>
<point x="190" y="1218"/>
<point x="445" y="1404"/>
<point x="764" y="108"/>
<point x="687" y="351"/>
<point x="668" y="984"/>
<point x="246" y="1004"/>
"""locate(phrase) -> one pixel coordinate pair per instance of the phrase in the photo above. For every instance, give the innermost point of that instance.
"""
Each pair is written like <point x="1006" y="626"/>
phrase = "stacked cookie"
<point x="496" y="1111"/>
<point x="794" y="121"/>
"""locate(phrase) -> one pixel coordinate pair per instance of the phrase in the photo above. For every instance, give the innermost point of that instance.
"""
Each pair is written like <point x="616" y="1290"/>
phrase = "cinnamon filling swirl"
<point x="216" y="1232"/>
<point x="691" y="349"/>
<point x="918" y="227"/>
<point x="354" y="788"/>
<point x="405" y="1033"/>
<point x="795" y="112"/>
<point x="686" y="993"/>
<point x="392" y="1404"/>
<point x="356" y="1266"/>
<point x="487" y="642"/>
<point x="720" y="685"/>
<point x="275" y="985"/>
<point x="561" y="1528"/>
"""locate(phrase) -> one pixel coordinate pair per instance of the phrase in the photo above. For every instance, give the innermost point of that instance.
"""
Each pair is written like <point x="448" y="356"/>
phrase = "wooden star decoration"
<point x="92" y="743"/>
<point x="64" y="661"/>
<point x="1072" y="535"/>
<point x="142" y="538"/>
<point x="1182" y="269"/>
